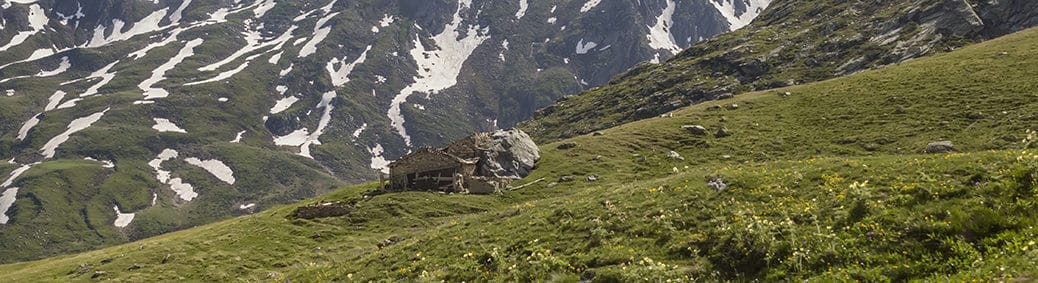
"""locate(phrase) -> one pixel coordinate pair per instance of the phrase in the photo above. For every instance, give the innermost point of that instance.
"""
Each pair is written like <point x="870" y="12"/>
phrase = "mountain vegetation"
<point x="125" y="119"/>
<point x="790" y="43"/>
<point x="922" y="170"/>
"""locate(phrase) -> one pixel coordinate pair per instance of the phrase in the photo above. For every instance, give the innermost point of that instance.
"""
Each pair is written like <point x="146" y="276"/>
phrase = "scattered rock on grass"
<point x="695" y="129"/>
<point x="722" y="132"/>
<point x="940" y="147"/>
<point x="83" y="269"/>
<point x="389" y="242"/>
<point x="591" y="178"/>
<point x="716" y="183"/>
<point x="134" y="267"/>
<point x="323" y="210"/>
<point x="568" y="145"/>
<point x="98" y="274"/>
<point x="564" y="179"/>
<point x="674" y="155"/>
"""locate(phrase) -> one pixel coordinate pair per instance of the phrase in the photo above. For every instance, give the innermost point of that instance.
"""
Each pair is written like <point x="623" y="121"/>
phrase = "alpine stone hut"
<point x="481" y="163"/>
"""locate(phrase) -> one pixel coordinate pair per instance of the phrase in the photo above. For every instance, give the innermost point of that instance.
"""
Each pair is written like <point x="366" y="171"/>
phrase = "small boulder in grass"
<point x="696" y="130"/>
<point x="722" y="132"/>
<point x="940" y="147"/>
<point x="568" y="145"/>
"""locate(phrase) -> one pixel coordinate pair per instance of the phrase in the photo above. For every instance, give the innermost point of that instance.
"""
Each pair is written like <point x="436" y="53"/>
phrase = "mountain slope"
<point x="191" y="111"/>
<point x="792" y="42"/>
<point x="824" y="182"/>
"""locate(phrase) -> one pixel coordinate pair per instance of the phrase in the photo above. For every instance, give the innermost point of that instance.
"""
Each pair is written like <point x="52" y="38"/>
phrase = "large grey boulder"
<point x="511" y="154"/>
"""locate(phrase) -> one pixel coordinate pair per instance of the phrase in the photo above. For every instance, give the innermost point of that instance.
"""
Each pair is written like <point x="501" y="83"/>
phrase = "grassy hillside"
<point x="791" y="43"/>
<point x="824" y="182"/>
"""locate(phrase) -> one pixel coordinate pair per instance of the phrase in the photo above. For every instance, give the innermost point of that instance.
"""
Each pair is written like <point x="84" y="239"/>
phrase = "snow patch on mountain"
<point x="53" y="101"/>
<point x="159" y="73"/>
<point x="178" y="14"/>
<point x="303" y="138"/>
<point x="252" y="43"/>
<point x="356" y="134"/>
<point x="523" y="5"/>
<point x="237" y="138"/>
<point x="659" y="35"/>
<point x="165" y="155"/>
<point x="226" y="74"/>
<point x="283" y="104"/>
<point x="583" y="48"/>
<point x="14" y="175"/>
<point x="739" y="19"/>
<point x="164" y="125"/>
<point x="76" y="125"/>
<point x="378" y="162"/>
<point x="438" y="69"/>
<point x="8" y="197"/>
<point x="320" y="33"/>
<point x="37" y="21"/>
<point x="122" y="219"/>
<point x="216" y="167"/>
<point x="183" y="190"/>
<point x="340" y="75"/>
<point x="326" y="117"/>
<point x="6" y="200"/>
<point x="105" y="76"/>
<point x="104" y="163"/>
<point x="148" y="24"/>
<point x="263" y="7"/>
<point x="28" y="125"/>
<point x="62" y="67"/>
<point x="591" y="4"/>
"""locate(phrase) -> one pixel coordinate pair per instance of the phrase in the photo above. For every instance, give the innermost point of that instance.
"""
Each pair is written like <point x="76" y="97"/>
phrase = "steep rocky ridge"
<point x="792" y="42"/>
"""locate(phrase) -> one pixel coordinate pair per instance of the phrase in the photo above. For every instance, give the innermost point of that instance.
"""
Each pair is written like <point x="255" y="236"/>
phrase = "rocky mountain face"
<point x="792" y="42"/>
<point x="123" y="119"/>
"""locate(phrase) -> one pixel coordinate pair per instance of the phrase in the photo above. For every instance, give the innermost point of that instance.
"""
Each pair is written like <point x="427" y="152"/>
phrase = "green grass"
<point x="788" y="44"/>
<point x="826" y="184"/>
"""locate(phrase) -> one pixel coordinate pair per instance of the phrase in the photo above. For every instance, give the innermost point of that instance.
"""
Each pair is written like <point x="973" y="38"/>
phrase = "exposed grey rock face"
<point x="512" y="154"/>
<point x="1007" y="16"/>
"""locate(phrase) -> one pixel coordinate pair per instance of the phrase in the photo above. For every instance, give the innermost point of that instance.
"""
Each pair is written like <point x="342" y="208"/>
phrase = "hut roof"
<point x="431" y="155"/>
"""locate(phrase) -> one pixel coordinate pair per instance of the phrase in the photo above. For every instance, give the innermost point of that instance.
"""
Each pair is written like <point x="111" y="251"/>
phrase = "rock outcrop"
<point x="512" y="154"/>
